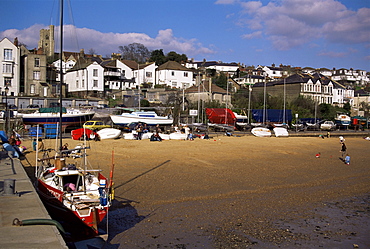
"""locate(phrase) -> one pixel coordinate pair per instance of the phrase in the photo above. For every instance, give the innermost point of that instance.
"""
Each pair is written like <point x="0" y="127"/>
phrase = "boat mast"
<point x="61" y="76"/>
<point x="284" y="102"/>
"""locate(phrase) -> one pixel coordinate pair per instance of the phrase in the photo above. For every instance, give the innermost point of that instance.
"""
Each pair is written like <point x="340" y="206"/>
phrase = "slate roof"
<point x="172" y="65"/>
<point x="301" y="78"/>
<point x="205" y="88"/>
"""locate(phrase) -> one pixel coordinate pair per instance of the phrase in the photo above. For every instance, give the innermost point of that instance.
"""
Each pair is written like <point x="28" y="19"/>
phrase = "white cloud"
<point x="293" y="23"/>
<point x="257" y="34"/>
<point x="106" y="43"/>
<point x="226" y="1"/>
<point x="333" y="54"/>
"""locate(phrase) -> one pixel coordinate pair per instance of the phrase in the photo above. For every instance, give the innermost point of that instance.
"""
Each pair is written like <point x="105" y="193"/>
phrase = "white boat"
<point x="261" y="132"/>
<point x="241" y="120"/>
<point x="177" y="136"/>
<point x="51" y="116"/>
<point x="281" y="132"/>
<point x="150" y="118"/>
<point x="343" y="120"/>
<point x="130" y="136"/>
<point x="109" y="133"/>
<point x="146" y="135"/>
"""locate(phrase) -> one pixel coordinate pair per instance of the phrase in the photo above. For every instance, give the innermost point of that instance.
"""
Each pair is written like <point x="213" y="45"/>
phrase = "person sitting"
<point x="69" y="187"/>
<point x="12" y="148"/>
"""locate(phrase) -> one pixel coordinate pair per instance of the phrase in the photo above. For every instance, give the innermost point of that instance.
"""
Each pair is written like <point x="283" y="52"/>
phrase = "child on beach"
<point x="347" y="159"/>
<point x="343" y="150"/>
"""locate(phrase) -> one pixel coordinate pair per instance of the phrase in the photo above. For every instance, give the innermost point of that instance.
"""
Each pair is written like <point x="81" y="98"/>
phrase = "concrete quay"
<point x="19" y="199"/>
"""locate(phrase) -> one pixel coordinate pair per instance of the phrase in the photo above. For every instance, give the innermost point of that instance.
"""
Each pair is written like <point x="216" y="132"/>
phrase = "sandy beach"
<point x="234" y="192"/>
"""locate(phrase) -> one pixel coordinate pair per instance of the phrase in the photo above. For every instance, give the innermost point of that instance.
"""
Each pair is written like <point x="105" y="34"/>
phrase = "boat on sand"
<point x="150" y="118"/>
<point x="109" y="133"/>
<point x="261" y="132"/>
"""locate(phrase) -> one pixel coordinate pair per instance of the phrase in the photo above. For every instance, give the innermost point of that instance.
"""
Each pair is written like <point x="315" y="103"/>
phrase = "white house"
<point x="272" y="72"/>
<point x="174" y="75"/>
<point x="229" y="68"/>
<point x="89" y="78"/>
<point x="356" y="76"/>
<point x="147" y="73"/>
<point x="10" y="64"/>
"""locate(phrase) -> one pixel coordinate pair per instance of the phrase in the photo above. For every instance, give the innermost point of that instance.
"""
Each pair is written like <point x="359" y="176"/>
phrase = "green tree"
<point x="347" y="107"/>
<point x="158" y="57"/>
<point x="173" y="56"/>
<point x="221" y="80"/>
<point x="327" y="111"/>
<point x="144" y="103"/>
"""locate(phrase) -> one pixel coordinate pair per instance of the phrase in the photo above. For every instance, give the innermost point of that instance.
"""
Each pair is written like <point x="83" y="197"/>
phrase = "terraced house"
<point x="316" y="86"/>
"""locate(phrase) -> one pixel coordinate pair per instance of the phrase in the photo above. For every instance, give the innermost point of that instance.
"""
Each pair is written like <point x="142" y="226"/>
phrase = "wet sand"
<point x="235" y="192"/>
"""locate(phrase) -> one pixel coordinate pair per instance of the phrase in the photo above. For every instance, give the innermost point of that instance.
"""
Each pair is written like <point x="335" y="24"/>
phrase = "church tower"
<point x="46" y="42"/>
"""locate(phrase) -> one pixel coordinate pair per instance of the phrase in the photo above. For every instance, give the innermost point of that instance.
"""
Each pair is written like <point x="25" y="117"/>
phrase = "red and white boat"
<point x="78" y="197"/>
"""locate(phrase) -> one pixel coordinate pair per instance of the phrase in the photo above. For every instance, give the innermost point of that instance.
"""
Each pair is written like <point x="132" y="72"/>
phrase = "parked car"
<point x="120" y="105"/>
<point x="87" y="106"/>
<point x="102" y="106"/>
<point x="131" y="126"/>
<point x="12" y="107"/>
<point x="54" y="104"/>
<point x="33" y="106"/>
<point x="328" y="125"/>
<point x="95" y="125"/>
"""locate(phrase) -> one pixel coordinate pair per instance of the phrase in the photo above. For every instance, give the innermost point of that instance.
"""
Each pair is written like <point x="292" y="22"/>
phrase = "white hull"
<point x="150" y="118"/>
<point x="109" y="133"/>
<point x="281" y="132"/>
<point x="178" y="136"/>
<point x="261" y="132"/>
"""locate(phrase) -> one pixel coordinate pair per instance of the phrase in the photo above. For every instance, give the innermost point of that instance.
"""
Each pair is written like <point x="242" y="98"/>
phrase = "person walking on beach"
<point x="343" y="150"/>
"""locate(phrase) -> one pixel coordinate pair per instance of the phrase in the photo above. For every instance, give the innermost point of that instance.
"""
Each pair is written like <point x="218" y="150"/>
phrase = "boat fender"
<point x="17" y="222"/>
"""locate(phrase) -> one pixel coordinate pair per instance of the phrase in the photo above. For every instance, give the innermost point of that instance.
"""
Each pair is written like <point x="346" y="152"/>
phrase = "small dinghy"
<point x="281" y="132"/>
<point x="261" y="132"/>
<point x="109" y="133"/>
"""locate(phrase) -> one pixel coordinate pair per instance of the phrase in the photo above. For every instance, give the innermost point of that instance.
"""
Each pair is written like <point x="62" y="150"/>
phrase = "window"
<point x="76" y="83"/>
<point x="95" y="72"/>
<point x="8" y="54"/>
<point x="95" y="83"/>
<point x="173" y="73"/>
<point x="123" y="73"/>
<point x="37" y="62"/>
<point x="8" y="82"/>
<point x="7" y="68"/>
<point x="36" y="75"/>
<point x="83" y="83"/>
<point x="185" y="74"/>
<point x="148" y="74"/>
<point x="32" y="89"/>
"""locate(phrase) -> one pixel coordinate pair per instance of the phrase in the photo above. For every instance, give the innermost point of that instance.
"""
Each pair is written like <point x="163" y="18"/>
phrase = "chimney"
<point x="16" y="41"/>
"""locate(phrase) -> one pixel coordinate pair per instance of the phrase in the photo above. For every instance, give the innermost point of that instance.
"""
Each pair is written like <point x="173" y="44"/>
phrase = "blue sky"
<point x="313" y="33"/>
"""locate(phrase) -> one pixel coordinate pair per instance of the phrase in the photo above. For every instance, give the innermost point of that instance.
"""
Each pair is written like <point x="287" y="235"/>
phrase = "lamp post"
<point x="6" y="110"/>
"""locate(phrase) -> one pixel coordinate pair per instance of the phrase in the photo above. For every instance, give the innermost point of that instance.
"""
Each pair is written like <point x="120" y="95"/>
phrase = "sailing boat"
<point x="77" y="197"/>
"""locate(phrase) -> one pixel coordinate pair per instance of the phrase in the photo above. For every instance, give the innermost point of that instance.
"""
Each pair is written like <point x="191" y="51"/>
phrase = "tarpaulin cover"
<point x="220" y="116"/>
<point x="272" y="115"/>
<point x="52" y="110"/>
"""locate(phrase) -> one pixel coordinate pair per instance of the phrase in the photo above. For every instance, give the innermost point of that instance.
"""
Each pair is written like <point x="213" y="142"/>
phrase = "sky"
<point x="301" y="33"/>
